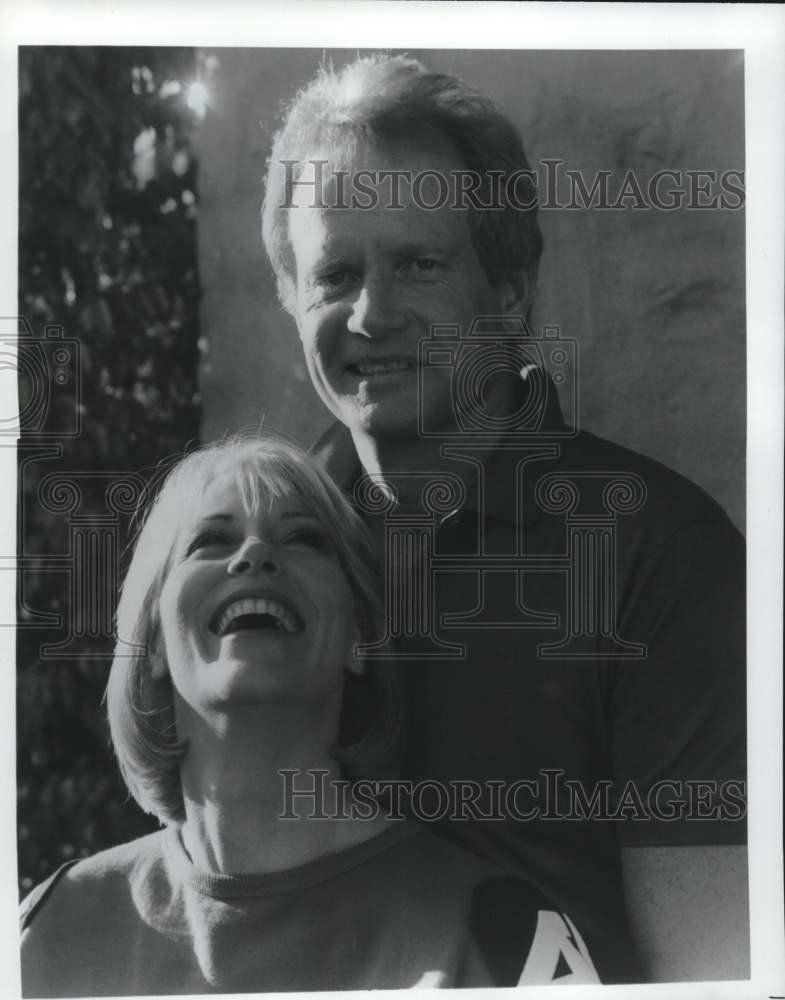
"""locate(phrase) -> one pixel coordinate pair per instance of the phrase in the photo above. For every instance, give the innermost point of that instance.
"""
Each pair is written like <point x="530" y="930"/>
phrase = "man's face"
<point x="369" y="286"/>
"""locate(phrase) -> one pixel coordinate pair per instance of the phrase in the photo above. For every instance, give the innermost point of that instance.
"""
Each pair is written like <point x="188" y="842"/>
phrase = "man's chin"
<point x="379" y="419"/>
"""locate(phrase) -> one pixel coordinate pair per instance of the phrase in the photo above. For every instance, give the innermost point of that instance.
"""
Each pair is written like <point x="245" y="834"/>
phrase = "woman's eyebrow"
<point x="287" y="514"/>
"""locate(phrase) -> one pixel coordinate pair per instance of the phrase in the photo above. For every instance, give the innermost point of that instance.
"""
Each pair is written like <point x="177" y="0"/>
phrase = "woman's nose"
<point x="254" y="556"/>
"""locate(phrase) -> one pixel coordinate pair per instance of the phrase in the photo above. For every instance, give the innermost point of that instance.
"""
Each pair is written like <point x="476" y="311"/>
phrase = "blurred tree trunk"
<point x="107" y="251"/>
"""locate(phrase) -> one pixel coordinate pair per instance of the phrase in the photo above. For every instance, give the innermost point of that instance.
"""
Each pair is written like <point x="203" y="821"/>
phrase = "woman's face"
<point x="255" y="608"/>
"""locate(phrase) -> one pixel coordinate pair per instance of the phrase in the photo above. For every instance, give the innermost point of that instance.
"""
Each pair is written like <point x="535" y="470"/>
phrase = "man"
<point x="572" y="625"/>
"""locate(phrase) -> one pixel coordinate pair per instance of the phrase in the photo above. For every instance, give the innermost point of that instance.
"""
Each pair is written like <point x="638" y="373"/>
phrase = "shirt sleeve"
<point x="516" y="941"/>
<point x="678" y="716"/>
<point x="36" y="898"/>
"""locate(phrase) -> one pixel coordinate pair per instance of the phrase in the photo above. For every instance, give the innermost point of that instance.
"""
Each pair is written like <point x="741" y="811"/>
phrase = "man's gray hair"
<point x="393" y="100"/>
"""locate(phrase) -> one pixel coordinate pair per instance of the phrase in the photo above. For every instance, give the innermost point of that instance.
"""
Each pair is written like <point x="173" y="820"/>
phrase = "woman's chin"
<point x="259" y="669"/>
<point x="238" y="681"/>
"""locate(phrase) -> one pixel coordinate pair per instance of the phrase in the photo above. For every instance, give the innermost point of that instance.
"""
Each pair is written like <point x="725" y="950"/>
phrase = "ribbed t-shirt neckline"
<point x="288" y="880"/>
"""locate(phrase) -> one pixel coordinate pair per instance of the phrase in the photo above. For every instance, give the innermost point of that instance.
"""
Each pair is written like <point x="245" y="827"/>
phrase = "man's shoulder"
<point x="430" y="858"/>
<point x="512" y="930"/>
<point x="646" y="494"/>
<point x="589" y="452"/>
<point x="652" y="498"/>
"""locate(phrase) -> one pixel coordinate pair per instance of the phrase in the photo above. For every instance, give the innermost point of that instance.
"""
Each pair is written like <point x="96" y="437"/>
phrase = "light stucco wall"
<point x="655" y="299"/>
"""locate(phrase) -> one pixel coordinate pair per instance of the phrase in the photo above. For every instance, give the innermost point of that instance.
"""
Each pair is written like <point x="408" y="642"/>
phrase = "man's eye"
<point x="333" y="279"/>
<point x="424" y="266"/>
<point x="207" y="539"/>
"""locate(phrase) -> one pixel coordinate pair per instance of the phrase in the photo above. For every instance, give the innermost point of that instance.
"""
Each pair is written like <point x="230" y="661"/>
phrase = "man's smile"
<point x="381" y="366"/>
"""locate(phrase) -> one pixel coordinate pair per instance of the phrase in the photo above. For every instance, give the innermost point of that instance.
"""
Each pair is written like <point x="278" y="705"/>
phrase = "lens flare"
<point x="197" y="98"/>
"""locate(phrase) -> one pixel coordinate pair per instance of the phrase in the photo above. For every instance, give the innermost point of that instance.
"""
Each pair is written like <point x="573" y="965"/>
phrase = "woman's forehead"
<point x="241" y="488"/>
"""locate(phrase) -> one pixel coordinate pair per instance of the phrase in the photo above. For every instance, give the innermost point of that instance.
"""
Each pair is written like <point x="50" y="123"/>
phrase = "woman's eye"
<point x="313" y="538"/>
<point x="206" y="539"/>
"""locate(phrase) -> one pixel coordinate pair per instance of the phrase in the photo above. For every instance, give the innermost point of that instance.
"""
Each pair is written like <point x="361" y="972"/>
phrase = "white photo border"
<point x="757" y="29"/>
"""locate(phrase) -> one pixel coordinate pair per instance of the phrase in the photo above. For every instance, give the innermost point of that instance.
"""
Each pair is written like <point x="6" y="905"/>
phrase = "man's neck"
<point x="389" y="457"/>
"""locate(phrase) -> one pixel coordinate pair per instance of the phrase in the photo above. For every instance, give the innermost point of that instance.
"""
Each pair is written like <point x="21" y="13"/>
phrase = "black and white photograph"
<point x="394" y="573"/>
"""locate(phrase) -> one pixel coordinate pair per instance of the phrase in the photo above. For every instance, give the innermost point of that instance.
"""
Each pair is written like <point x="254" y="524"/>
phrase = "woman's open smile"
<point x="256" y="604"/>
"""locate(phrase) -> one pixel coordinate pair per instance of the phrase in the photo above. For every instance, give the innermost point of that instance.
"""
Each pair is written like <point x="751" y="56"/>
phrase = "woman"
<point x="251" y="585"/>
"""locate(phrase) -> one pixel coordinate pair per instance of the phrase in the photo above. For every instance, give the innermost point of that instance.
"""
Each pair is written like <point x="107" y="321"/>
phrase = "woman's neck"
<point x="261" y="796"/>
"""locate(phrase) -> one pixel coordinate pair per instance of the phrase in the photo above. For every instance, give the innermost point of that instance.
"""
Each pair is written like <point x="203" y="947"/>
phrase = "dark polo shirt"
<point x="596" y="697"/>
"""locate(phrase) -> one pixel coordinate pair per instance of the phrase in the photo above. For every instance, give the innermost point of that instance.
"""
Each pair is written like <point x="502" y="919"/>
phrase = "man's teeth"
<point x="284" y="619"/>
<point x="382" y="367"/>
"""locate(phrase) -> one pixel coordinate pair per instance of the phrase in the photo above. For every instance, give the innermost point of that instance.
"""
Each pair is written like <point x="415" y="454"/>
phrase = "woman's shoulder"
<point x="79" y="923"/>
<point x="89" y="879"/>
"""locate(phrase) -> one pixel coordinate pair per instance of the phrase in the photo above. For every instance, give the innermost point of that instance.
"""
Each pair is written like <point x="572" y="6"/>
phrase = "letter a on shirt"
<point x="557" y="954"/>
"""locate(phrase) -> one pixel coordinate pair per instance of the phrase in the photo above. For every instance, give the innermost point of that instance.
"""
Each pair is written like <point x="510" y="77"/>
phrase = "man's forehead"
<point x="415" y="153"/>
<point x="396" y="200"/>
<point x="390" y="175"/>
<point x="319" y="233"/>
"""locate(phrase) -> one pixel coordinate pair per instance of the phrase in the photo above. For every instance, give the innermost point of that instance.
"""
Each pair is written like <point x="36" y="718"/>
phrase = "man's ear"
<point x="159" y="667"/>
<point x="517" y="293"/>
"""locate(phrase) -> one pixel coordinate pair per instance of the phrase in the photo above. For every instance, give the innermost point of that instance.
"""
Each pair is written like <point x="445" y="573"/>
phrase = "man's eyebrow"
<point x="218" y="517"/>
<point x="422" y="249"/>
<point x="331" y="258"/>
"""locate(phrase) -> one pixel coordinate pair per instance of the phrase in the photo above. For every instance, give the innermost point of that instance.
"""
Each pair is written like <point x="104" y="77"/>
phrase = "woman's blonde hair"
<point x="141" y="708"/>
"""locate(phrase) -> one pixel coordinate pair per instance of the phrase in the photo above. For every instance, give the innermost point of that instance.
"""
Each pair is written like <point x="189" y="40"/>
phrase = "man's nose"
<point x="253" y="556"/>
<point x="377" y="311"/>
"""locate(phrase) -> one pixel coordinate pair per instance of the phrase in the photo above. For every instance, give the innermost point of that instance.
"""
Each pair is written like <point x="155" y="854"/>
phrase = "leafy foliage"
<point x="107" y="251"/>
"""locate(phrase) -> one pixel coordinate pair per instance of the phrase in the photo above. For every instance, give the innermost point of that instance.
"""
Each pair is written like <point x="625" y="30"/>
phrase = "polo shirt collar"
<point x="501" y="466"/>
<point x="336" y="452"/>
